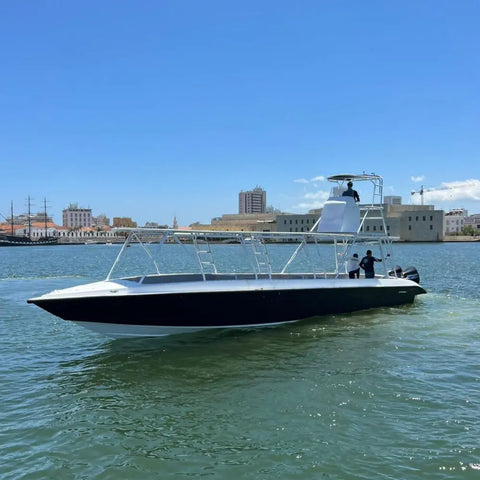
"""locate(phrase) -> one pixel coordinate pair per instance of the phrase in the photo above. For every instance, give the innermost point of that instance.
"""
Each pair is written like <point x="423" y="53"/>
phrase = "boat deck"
<point x="198" y="277"/>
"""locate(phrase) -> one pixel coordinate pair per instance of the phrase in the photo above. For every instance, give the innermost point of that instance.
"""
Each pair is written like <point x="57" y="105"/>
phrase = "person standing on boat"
<point x="353" y="267"/>
<point x="350" y="192"/>
<point x="367" y="264"/>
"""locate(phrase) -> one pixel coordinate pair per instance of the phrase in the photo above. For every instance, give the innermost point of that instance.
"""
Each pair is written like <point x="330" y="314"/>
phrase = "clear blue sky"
<point x="151" y="109"/>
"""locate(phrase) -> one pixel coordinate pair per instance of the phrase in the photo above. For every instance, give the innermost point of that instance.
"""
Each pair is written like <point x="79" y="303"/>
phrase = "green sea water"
<point x="391" y="393"/>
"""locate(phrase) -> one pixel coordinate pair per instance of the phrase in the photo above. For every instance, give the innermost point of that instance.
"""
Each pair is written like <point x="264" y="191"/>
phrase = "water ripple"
<point x="388" y="393"/>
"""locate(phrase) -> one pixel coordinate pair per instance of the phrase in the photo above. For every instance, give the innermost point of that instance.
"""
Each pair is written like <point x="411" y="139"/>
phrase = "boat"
<point x="12" y="240"/>
<point x="250" y="287"/>
<point x="25" y="241"/>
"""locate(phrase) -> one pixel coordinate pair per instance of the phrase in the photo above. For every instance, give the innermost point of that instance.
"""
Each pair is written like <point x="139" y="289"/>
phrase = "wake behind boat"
<point x="254" y="288"/>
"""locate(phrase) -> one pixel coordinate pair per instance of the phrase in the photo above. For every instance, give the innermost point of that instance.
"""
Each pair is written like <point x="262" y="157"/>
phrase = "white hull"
<point x="118" y="331"/>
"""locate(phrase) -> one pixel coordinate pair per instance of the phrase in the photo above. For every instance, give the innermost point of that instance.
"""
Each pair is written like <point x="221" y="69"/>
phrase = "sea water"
<point x="387" y="393"/>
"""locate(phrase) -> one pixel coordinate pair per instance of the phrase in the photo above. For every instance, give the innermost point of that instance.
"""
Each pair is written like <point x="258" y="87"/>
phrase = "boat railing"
<point x="256" y="246"/>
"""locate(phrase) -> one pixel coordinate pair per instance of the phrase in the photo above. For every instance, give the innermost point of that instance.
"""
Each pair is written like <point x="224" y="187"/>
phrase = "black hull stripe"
<point x="210" y="309"/>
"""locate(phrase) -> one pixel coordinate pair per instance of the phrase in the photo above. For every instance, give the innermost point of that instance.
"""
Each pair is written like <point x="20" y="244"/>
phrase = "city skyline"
<point x="103" y="216"/>
<point x="161" y="110"/>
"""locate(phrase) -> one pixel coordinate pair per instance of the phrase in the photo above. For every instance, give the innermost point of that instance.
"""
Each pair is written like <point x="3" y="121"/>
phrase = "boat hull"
<point x="127" y="313"/>
<point x="12" y="241"/>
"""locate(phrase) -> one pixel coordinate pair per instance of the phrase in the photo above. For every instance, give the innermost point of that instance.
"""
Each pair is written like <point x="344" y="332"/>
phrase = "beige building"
<point x="265" y="222"/>
<point x="260" y="222"/>
<point x="411" y="223"/>
<point x="101" y="221"/>
<point x="289" y="222"/>
<point x="126" y="222"/>
<point x="74" y="217"/>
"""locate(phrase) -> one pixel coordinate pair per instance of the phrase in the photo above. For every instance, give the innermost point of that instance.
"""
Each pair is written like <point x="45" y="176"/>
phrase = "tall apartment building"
<point x="252" y="201"/>
<point x="73" y="216"/>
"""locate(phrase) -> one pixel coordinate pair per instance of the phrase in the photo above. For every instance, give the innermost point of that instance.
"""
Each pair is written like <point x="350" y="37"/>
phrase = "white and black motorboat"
<point x="250" y="287"/>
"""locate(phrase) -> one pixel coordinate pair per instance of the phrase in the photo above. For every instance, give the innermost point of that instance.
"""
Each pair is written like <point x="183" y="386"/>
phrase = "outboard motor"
<point x="396" y="272"/>
<point x="411" y="273"/>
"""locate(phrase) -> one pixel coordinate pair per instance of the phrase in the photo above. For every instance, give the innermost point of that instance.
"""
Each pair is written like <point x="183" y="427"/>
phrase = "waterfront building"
<point x="252" y="222"/>
<point x="126" y="222"/>
<point x="23" y="218"/>
<point x="417" y="223"/>
<point x="75" y="216"/>
<point x="455" y="221"/>
<point x="392" y="200"/>
<point x="473" y="221"/>
<point x="252" y="201"/>
<point x="35" y="230"/>
<point x="411" y="223"/>
<point x="156" y="225"/>
<point x="294" y="222"/>
<point x="101" y="221"/>
<point x="86" y="235"/>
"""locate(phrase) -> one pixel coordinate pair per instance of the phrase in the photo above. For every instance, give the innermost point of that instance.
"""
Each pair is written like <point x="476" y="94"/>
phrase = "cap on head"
<point x="349" y="184"/>
<point x="369" y="252"/>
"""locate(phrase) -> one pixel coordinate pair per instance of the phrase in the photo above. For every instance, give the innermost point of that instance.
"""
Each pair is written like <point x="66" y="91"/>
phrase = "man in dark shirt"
<point x="367" y="264"/>
<point x="350" y="192"/>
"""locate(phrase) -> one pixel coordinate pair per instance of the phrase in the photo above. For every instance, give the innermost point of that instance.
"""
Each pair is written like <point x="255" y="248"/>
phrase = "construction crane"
<point x="423" y="190"/>
<point x="420" y="192"/>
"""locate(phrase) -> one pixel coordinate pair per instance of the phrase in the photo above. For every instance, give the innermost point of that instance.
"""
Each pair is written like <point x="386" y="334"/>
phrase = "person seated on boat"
<point x="353" y="267"/>
<point x="367" y="264"/>
<point x="350" y="192"/>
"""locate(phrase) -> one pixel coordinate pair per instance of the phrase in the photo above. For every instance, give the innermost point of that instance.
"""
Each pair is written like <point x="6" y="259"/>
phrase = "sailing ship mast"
<point x="26" y="238"/>
<point x="29" y="220"/>
<point x="11" y="216"/>
<point x="45" y="214"/>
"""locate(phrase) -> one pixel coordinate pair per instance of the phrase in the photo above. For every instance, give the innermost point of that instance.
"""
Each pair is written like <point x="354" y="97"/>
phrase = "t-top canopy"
<point x="354" y="178"/>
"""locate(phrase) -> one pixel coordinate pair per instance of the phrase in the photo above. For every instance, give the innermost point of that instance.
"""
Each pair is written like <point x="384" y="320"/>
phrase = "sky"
<point x="169" y="108"/>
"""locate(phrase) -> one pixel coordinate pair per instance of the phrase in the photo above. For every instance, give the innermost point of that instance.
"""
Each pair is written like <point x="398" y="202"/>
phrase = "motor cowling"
<point x="396" y="272"/>
<point x="411" y="273"/>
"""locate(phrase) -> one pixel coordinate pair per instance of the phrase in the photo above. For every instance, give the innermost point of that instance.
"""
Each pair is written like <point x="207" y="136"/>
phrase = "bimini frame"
<point x="256" y="242"/>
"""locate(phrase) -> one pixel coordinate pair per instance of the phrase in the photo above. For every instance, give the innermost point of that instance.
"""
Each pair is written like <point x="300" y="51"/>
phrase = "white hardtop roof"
<point x="354" y="178"/>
